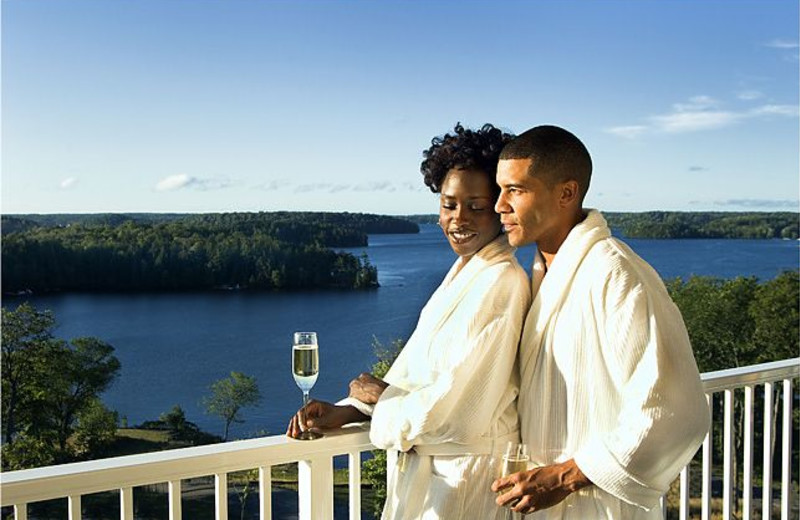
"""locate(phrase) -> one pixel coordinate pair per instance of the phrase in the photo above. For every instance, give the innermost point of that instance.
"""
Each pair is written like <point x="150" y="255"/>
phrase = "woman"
<point x="448" y="401"/>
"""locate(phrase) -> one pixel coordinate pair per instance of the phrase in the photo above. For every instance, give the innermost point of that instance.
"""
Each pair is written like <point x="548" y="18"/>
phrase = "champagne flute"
<point x="305" y="369"/>
<point x="515" y="459"/>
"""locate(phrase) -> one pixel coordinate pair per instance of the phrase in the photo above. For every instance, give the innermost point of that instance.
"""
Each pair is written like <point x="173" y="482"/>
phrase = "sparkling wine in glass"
<point x="305" y="369"/>
<point x="515" y="459"/>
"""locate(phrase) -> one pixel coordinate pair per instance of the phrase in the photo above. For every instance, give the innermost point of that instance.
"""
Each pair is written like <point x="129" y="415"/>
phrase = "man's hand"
<point x="367" y="388"/>
<point x="540" y="488"/>
<point x="322" y="416"/>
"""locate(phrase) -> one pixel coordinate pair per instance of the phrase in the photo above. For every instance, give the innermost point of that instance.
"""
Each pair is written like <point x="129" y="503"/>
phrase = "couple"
<point x="604" y="386"/>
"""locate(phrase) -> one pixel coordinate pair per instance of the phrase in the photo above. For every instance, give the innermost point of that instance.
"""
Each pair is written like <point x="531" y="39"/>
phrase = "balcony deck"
<point x="772" y="383"/>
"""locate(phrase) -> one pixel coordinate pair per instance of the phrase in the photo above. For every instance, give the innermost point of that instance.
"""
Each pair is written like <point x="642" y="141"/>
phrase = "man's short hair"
<point x="557" y="156"/>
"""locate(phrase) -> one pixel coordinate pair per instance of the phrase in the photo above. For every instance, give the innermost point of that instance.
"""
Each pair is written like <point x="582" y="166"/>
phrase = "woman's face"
<point x="466" y="212"/>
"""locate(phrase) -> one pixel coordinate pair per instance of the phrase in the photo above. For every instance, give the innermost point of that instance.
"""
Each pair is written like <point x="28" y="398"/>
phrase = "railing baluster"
<point x="727" y="458"/>
<point x="766" y="483"/>
<point x="221" y="496"/>
<point x="786" y="456"/>
<point x="126" y="503"/>
<point x="74" y="507"/>
<point x="265" y="492"/>
<point x="747" y="492"/>
<point x="315" y="488"/>
<point x="20" y="511"/>
<point x="684" y="500"/>
<point x="707" y="452"/>
<point x="174" y="492"/>
<point x="354" y="474"/>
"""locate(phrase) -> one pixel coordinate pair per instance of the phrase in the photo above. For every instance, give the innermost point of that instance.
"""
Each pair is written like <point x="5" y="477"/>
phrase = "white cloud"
<point x="778" y="110"/>
<point x="629" y="132"/>
<point x="374" y="186"/>
<point x="782" y="44"/>
<point x="693" y="121"/>
<point x="696" y="103"/>
<point x="701" y="113"/>
<point x="273" y="185"/>
<point x="174" y="182"/>
<point x="182" y="180"/>
<point x="68" y="183"/>
<point x="749" y="95"/>
<point x="760" y="203"/>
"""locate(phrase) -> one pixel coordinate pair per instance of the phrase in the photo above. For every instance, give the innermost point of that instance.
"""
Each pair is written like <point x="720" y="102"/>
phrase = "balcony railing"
<point x="771" y="381"/>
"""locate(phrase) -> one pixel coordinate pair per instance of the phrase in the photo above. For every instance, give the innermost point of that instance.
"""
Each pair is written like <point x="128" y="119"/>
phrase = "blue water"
<point x="173" y="346"/>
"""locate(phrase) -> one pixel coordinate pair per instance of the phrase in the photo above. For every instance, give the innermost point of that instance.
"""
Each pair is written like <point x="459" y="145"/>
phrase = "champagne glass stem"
<point x="305" y="404"/>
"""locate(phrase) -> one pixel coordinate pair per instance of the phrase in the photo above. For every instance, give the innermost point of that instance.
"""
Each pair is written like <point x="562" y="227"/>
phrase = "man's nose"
<point x="501" y="206"/>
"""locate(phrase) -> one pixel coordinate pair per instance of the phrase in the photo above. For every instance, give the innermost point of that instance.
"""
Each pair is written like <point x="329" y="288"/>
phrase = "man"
<point x="611" y="404"/>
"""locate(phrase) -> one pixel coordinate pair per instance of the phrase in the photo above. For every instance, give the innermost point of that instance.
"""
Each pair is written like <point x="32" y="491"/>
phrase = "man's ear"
<point x="569" y="193"/>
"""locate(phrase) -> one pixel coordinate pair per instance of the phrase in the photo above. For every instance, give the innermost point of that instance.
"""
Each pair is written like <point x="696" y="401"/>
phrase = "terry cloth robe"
<point x="451" y="399"/>
<point x="608" y="377"/>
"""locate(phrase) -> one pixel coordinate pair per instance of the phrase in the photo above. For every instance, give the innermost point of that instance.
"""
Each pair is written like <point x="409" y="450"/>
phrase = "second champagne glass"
<point x="515" y="459"/>
<point x="305" y="369"/>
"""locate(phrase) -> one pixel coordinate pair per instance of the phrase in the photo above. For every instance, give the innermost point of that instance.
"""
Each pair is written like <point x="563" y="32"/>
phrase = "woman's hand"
<point x="322" y="416"/>
<point x="367" y="388"/>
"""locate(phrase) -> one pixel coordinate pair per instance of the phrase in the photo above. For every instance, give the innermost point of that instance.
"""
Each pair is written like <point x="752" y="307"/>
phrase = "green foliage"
<point x="691" y="224"/>
<point x="96" y="429"/>
<point x="262" y="251"/>
<point x="229" y="396"/>
<point x="373" y="471"/>
<point x="174" y="420"/>
<point x="673" y="224"/>
<point x="50" y="391"/>
<point x="776" y="333"/>
<point x="739" y="322"/>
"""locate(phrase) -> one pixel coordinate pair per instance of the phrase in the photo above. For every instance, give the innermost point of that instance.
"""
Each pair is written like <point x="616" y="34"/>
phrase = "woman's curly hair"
<point x="464" y="148"/>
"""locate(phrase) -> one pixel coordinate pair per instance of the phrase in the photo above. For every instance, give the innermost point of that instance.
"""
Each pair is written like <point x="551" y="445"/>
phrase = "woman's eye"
<point x="477" y="208"/>
<point x="449" y="206"/>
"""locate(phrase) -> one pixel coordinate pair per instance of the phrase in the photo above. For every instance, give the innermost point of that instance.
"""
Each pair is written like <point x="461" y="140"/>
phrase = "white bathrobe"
<point x="608" y="377"/>
<point x="452" y="392"/>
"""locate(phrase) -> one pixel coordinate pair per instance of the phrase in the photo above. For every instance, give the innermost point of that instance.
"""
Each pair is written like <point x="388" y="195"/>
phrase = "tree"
<point x="374" y="469"/>
<point x="229" y="396"/>
<point x="26" y="343"/>
<point x="175" y="420"/>
<point x="88" y="369"/>
<point x="50" y="391"/>
<point x="95" y="429"/>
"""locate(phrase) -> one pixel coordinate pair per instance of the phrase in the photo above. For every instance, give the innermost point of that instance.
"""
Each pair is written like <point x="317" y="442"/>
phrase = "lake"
<point x="173" y="346"/>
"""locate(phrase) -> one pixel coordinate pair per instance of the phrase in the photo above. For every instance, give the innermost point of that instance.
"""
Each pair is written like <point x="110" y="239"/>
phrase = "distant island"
<point x="174" y="252"/>
<point x="679" y="224"/>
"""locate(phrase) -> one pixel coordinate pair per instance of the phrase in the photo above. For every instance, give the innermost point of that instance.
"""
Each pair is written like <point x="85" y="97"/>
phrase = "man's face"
<point x="529" y="209"/>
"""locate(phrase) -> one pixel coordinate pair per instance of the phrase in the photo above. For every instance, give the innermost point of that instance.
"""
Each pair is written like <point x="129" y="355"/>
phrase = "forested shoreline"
<point x="265" y="251"/>
<point x="256" y="251"/>
<point x="701" y="224"/>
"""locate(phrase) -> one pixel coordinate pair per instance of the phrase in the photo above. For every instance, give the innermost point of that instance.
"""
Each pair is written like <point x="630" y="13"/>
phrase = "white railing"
<point x="315" y="462"/>
<point x="761" y="379"/>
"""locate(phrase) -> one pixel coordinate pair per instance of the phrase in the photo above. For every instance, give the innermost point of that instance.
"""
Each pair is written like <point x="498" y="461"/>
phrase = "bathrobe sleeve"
<point x="461" y="399"/>
<point x="663" y="414"/>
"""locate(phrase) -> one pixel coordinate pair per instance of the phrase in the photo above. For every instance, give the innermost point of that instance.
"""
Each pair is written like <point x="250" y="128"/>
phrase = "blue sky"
<point x="207" y="106"/>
